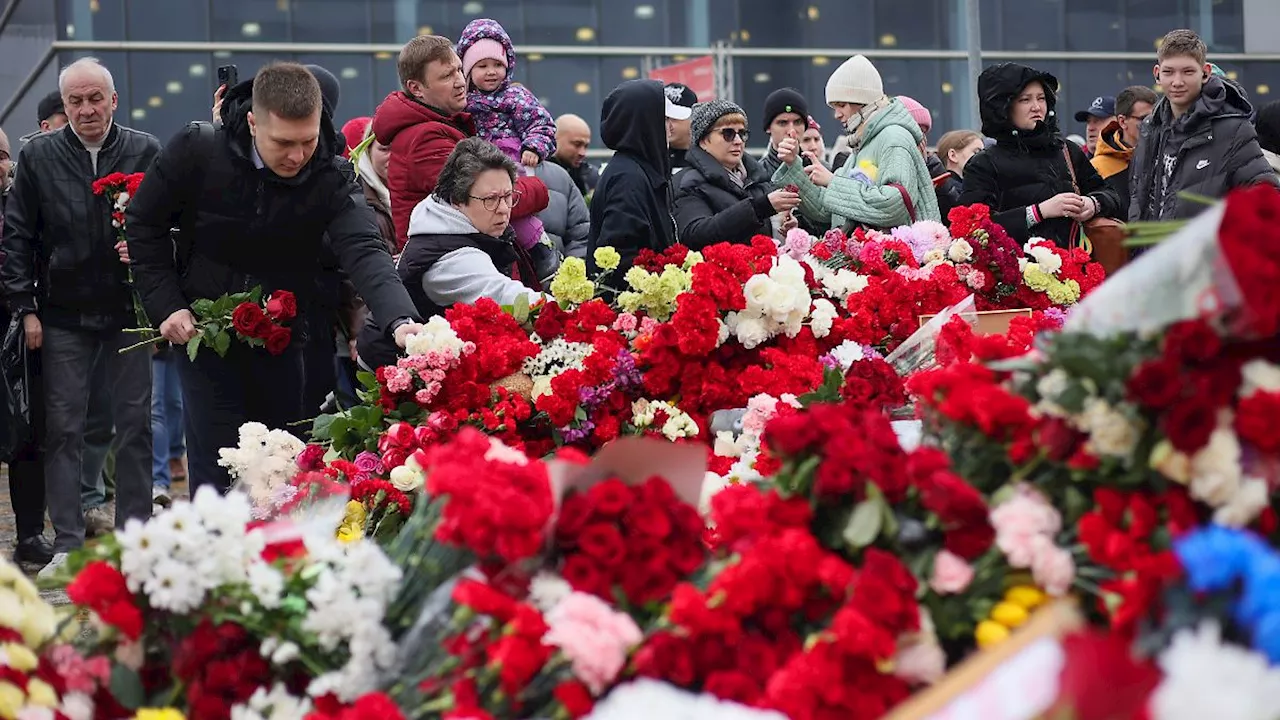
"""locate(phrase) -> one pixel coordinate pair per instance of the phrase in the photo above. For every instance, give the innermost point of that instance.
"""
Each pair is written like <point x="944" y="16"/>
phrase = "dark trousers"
<point x="26" y="467"/>
<point x="320" y="378"/>
<point x="219" y="394"/>
<point x="69" y="357"/>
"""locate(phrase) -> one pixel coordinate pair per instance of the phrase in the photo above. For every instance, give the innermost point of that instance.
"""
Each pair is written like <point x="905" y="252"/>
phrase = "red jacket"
<point x="421" y="140"/>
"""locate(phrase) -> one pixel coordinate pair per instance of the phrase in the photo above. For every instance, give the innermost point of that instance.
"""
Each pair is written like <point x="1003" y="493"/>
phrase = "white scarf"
<point x="365" y="168"/>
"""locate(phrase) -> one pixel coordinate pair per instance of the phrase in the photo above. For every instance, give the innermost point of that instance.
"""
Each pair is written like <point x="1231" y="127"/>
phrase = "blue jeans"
<point x="166" y="417"/>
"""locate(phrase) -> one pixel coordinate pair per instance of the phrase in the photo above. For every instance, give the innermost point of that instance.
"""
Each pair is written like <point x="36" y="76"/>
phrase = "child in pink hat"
<point x="509" y="116"/>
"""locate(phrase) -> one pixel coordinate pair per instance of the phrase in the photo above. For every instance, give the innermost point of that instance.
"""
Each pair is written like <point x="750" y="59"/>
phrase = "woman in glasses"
<point x="725" y="194"/>
<point x="461" y="247"/>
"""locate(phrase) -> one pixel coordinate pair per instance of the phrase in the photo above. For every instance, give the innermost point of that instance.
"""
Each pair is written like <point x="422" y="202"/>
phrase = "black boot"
<point x="35" y="550"/>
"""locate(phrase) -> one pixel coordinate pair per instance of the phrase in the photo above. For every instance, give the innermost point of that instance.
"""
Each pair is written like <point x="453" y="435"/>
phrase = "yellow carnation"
<point x="570" y="285"/>
<point x="606" y="258"/>
<point x="355" y="513"/>
<point x="41" y="693"/>
<point x="1036" y="278"/>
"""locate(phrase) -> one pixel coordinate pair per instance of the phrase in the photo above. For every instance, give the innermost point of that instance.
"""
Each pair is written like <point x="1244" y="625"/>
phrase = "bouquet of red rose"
<point x="248" y="317"/>
<point x="118" y="188"/>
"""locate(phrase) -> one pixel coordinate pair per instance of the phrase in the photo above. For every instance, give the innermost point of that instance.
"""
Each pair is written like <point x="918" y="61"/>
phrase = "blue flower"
<point x="1261" y="588"/>
<point x="1266" y="636"/>
<point x="1214" y="557"/>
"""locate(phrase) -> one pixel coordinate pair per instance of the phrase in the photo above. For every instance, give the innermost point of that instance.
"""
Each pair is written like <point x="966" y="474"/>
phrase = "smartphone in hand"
<point x="228" y="75"/>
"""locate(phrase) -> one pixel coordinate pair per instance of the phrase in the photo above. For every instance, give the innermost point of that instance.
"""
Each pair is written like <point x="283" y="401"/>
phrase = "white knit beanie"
<point x="855" y="81"/>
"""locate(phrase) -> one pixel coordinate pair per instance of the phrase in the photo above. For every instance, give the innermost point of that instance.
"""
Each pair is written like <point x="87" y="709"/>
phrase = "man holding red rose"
<point x="252" y="200"/>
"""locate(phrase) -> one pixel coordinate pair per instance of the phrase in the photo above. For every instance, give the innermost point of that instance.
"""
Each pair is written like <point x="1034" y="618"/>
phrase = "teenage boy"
<point x="1198" y="138"/>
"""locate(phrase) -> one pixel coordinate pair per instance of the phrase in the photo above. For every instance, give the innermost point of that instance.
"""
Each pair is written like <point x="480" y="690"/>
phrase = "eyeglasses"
<point x="492" y="202"/>
<point x="730" y="133"/>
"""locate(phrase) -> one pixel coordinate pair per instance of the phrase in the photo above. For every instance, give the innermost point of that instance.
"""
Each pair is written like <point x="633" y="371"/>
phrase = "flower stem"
<point x="144" y="343"/>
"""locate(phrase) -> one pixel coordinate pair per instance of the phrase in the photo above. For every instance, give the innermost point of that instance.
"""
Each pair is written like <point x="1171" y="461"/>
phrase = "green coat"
<point x="891" y="142"/>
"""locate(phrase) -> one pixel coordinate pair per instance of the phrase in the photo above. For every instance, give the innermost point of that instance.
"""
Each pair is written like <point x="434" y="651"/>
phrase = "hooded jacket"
<point x="711" y="207"/>
<point x="631" y="208"/>
<point x="1027" y="167"/>
<point x="59" y="243"/>
<point x="422" y="138"/>
<point x="510" y="111"/>
<point x="1111" y="159"/>
<point x="1208" y="151"/>
<point x="888" y="140"/>
<point x="241" y="225"/>
<point x="448" y="261"/>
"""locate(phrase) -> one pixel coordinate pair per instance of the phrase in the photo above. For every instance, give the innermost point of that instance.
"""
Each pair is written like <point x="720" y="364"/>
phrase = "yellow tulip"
<point x="1028" y="597"/>
<point x="11" y="700"/>
<point x="1009" y="615"/>
<point x="19" y="657"/>
<point x="990" y="633"/>
<point x="41" y="693"/>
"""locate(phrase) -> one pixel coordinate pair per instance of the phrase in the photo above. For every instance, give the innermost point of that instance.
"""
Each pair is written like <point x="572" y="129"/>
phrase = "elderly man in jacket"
<point x="66" y="275"/>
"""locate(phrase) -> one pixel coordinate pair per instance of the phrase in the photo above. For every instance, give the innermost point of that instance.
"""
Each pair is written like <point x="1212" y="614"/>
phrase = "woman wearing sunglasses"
<point x="725" y="195"/>
<point x="461" y="247"/>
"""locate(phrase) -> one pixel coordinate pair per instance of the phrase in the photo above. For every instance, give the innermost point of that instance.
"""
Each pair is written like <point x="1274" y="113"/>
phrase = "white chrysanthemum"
<point x="554" y="358"/>
<point x="646" y="699"/>
<point x="267" y="584"/>
<point x="275" y="704"/>
<point x="1207" y="678"/>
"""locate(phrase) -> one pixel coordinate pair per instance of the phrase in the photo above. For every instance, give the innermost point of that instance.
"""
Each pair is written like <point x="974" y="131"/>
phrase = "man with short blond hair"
<point x="66" y="275"/>
<point x="422" y="123"/>
<point x="253" y="200"/>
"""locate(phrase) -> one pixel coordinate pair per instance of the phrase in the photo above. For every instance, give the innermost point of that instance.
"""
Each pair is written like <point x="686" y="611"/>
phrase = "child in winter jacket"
<point x="509" y="116"/>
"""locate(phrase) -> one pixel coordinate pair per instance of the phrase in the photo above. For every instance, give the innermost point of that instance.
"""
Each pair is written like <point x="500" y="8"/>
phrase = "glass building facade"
<point x="570" y="48"/>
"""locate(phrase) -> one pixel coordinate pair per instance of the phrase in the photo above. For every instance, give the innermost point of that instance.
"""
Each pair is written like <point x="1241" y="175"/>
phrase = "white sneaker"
<point x="160" y="496"/>
<point x="55" y="565"/>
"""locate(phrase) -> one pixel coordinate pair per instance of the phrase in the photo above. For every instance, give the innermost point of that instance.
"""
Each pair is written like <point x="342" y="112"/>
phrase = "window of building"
<point x="163" y="19"/>
<point x="261" y="21"/>
<point x="87" y="19"/>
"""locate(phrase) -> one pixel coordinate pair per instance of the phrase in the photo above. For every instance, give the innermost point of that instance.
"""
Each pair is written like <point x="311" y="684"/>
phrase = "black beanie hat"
<point x="786" y="100"/>
<point x="330" y="88"/>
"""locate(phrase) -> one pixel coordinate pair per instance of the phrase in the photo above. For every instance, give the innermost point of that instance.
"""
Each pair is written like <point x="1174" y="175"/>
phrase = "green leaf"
<point x="222" y="343"/>
<point x="864" y="524"/>
<point x="126" y="687"/>
<point x="193" y="347"/>
<point x="321" y="427"/>
<point x="520" y="309"/>
<point x="203" y="308"/>
<point x="338" y="427"/>
<point x="255" y="295"/>
<point x="367" y="379"/>
<point x="222" y="306"/>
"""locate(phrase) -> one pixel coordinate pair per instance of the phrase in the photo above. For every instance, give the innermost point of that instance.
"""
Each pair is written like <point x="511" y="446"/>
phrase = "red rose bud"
<point x="792" y="188"/>
<point x="282" y="306"/>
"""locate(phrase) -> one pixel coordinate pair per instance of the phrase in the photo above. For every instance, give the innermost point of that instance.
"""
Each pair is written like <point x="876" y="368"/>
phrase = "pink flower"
<point x="369" y="464"/>
<point x="648" y="325"/>
<point x="1019" y="521"/>
<point x="593" y="636"/>
<point x="920" y="663"/>
<point x="81" y="675"/>
<point x="951" y="574"/>
<point x="399" y="380"/>
<point x="1053" y="568"/>
<point x="977" y="279"/>
<point x="626" y="322"/>
<point x="797" y="244"/>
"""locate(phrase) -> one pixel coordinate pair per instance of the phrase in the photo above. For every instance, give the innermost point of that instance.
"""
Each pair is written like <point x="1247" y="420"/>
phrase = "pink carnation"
<point x="1018" y="523"/>
<point x="920" y="663"/>
<point x="626" y="322"/>
<point x="399" y="380"/>
<point x="1053" y="568"/>
<point x="797" y="244"/>
<point x="593" y="636"/>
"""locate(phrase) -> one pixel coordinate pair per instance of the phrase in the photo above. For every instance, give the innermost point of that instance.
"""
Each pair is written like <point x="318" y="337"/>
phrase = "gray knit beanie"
<point x="707" y="113"/>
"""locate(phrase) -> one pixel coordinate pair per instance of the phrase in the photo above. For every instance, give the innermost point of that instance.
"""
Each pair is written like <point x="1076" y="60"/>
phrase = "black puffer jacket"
<point x="1208" y="151"/>
<point x="242" y="225"/>
<point x="711" y="208"/>
<point x="1026" y="168"/>
<point x="631" y="208"/>
<point x="59" y="243"/>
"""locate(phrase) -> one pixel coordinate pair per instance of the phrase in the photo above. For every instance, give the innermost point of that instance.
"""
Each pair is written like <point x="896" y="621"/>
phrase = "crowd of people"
<point x="461" y="186"/>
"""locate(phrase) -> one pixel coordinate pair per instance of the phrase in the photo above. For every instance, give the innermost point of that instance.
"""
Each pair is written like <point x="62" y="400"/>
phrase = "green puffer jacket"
<point x="891" y="143"/>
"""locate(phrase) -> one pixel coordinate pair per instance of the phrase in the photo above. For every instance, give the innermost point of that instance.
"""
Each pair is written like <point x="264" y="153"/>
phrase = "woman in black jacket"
<point x="725" y="194"/>
<point x="1024" y="178"/>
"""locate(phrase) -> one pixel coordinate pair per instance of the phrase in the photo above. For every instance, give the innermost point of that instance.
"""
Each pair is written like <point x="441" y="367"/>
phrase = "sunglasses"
<point x="730" y="133"/>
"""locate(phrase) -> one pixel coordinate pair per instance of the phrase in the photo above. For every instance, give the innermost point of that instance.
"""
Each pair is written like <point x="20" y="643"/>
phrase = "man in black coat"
<point x="66" y="275"/>
<point x="631" y="209"/>
<point x="252" y="201"/>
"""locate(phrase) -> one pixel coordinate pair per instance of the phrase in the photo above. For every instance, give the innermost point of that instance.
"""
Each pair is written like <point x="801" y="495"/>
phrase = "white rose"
<point x="1248" y="502"/>
<point x="1111" y="433"/>
<point x="960" y="251"/>
<point x="934" y="256"/>
<point x="756" y="291"/>
<point x="409" y="476"/>
<point x="751" y="332"/>
<point x="1215" y="469"/>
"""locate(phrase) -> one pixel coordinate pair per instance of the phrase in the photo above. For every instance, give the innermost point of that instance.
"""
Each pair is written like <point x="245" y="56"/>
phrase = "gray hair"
<point x="86" y="63"/>
<point x="471" y="157"/>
